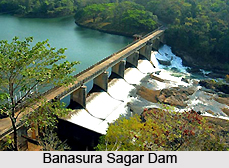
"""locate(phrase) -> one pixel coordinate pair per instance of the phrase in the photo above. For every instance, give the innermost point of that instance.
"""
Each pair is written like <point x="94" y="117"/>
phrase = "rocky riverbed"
<point x="205" y="96"/>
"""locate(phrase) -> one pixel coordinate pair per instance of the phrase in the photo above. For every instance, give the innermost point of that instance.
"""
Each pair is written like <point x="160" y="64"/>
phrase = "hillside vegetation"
<point x="125" y="18"/>
<point x="196" y="28"/>
<point x="38" y="8"/>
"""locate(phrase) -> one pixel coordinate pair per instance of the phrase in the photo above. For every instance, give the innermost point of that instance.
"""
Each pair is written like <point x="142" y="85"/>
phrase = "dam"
<point x="97" y="73"/>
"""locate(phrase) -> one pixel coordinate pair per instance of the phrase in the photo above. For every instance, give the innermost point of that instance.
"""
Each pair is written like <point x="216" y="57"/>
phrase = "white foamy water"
<point x="165" y="53"/>
<point x="134" y="76"/>
<point x="123" y="86"/>
<point x="106" y="107"/>
<point x="145" y="66"/>
<point x="201" y="101"/>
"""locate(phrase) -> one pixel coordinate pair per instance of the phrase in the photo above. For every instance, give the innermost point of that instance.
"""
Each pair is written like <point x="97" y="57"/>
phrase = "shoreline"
<point x="187" y="60"/>
<point x="105" y="30"/>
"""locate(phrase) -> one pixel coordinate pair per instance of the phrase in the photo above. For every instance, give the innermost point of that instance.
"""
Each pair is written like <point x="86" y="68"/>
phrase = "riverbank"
<point x="147" y="87"/>
<point x="43" y="16"/>
<point x="110" y="28"/>
<point x="218" y="70"/>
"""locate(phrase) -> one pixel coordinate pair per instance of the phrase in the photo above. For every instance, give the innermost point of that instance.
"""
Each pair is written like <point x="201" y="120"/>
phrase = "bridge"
<point x="98" y="72"/>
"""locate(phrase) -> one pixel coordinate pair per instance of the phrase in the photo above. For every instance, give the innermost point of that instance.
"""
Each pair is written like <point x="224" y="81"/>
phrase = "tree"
<point x="139" y="19"/>
<point x="94" y="10"/>
<point x="161" y="130"/>
<point x="26" y="69"/>
<point x="51" y="142"/>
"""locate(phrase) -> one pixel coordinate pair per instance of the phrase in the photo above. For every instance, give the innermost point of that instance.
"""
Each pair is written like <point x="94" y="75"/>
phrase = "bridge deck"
<point x="5" y="124"/>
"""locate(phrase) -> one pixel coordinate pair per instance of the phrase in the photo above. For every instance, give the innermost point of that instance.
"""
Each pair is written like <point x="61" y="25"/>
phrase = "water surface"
<point x="84" y="45"/>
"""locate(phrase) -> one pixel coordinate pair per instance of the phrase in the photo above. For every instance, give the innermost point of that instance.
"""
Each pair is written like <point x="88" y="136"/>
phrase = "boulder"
<point x="156" y="78"/>
<point x="186" y="80"/>
<point x="157" y="72"/>
<point x="215" y="75"/>
<point x="195" y="82"/>
<point x="174" y="69"/>
<point x="176" y="96"/>
<point x="193" y="70"/>
<point x="174" y="101"/>
<point x="215" y="86"/>
<point x="148" y="94"/>
<point x="164" y="62"/>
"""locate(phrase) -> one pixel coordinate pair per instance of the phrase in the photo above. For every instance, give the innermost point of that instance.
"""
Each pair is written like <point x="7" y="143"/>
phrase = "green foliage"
<point x="41" y="8"/>
<point x="199" y="27"/>
<point x="51" y="142"/>
<point x="139" y="19"/>
<point x="125" y="16"/>
<point x="48" y="115"/>
<point x="163" y="130"/>
<point x="6" y="143"/>
<point x="26" y="69"/>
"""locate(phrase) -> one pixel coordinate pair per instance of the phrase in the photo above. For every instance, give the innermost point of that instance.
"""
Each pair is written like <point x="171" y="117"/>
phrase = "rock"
<point x="174" y="69"/>
<point x="185" y="80"/>
<point x="208" y="90"/>
<point x="174" y="101"/>
<point x="222" y="100"/>
<point x="215" y="75"/>
<point x="161" y="98"/>
<point x="157" y="72"/>
<point x="223" y="88"/>
<point x="226" y="111"/>
<point x="148" y="94"/>
<point x="175" y="96"/>
<point x="215" y="86"/>
<point x="156" y="78"/>
<point x="193" y="70"/>
<point x="164" y="62"/>
<point x="209" y="84"/>
<point x="210" y="112"/>
<point x="195" y="82"/>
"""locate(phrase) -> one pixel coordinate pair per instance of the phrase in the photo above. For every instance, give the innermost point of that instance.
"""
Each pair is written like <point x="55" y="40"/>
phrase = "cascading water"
<point x="105" y="107"/>
<point x="121" y="97"/>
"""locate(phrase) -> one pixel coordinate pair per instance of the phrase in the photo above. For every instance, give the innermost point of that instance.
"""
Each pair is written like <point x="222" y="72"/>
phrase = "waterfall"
<point x="105" y="107"/>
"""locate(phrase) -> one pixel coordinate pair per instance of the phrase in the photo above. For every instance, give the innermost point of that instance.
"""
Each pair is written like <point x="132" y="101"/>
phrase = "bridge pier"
<point x="119" y="69"/>
<point x="79" y="96"/>
<point x="146" y="51"/>
<point x="133" y="59"/>
<point x="102" y="81"/>
<point x="155" y="43"/>
<point x="162" y="38"/>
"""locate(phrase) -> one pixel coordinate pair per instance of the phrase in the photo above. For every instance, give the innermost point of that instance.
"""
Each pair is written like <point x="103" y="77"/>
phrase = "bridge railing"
<point x="122" y="49"/>
<point x="81" y="82"/>
<point x="100" y="71"/>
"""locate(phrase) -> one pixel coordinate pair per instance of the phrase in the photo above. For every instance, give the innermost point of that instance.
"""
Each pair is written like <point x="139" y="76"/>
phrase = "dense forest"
<point x="125" y="18"/>
<point x="198" y="27"/>
<point x="38" y="8"/>
<point x="197" y="30"/>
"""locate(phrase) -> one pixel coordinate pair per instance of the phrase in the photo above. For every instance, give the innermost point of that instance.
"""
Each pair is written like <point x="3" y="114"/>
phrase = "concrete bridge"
<point x="117" y="61"/>
<point x="98" y="72"/>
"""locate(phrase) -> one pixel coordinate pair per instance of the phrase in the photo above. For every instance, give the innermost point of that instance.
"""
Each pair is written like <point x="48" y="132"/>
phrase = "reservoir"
<point x="84" y="45"/>
<point x="122" y="97"/>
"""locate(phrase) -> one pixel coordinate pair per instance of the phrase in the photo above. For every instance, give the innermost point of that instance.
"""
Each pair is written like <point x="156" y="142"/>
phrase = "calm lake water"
<point x="84" y="45"/>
